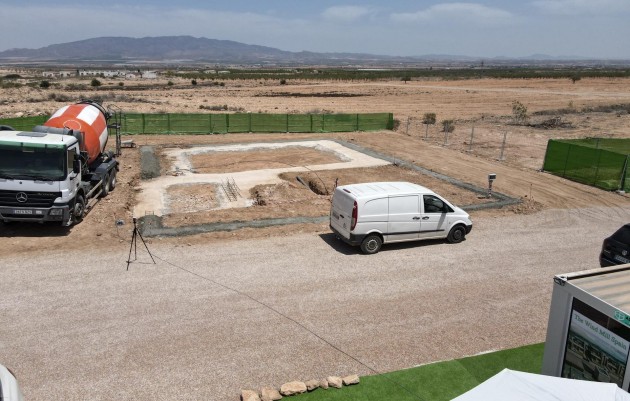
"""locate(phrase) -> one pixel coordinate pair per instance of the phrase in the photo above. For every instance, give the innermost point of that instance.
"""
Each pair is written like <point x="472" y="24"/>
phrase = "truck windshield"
<point x="32" y="163"/>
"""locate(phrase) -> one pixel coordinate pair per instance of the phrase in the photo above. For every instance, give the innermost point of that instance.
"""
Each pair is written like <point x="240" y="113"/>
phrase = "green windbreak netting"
<point x="136" y="123"/>
<point x="24" y="123"/>
<point x="253" y="122"/>
<point x="589" y="161"/>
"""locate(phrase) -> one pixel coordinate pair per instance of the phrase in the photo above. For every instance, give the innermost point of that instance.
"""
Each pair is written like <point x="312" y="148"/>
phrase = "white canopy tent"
<point x="511" y="385"/>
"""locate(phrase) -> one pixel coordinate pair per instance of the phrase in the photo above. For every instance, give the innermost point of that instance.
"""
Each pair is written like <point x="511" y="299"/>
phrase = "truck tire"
<point x="78" y="210"/>
<point x="112" y="180"/>
<point x="456" y="235"/>
<point x="371" y="244"/>
<point x="106" y="185"/>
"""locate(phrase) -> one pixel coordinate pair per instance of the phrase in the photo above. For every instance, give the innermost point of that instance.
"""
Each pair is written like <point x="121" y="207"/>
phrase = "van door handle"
<point x="425" y="218"/>
<point x="341" y="216"/>
<point x="416" y="218"/>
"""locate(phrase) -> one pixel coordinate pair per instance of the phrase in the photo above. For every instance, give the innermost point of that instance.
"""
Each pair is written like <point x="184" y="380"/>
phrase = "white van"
<point x="377" y="213"/>
<point x="9" y="388"/>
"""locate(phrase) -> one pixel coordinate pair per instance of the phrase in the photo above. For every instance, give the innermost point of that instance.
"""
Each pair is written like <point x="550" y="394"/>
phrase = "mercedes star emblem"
<point x="21" y="197"/>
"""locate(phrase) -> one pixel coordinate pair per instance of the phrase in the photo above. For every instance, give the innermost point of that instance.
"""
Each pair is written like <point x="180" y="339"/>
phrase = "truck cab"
<point x="38" y="177"/>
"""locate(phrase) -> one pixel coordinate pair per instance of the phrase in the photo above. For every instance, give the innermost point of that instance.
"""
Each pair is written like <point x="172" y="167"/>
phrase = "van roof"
<point x="380" y="188"/>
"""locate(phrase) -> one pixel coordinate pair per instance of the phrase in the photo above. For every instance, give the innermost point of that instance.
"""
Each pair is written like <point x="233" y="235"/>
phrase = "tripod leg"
<point x="147" y="248"/>
<point x="133" y="241"/>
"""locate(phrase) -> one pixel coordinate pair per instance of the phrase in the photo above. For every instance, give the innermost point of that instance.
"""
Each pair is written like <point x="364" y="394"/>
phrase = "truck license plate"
<point x="22" y="211"/>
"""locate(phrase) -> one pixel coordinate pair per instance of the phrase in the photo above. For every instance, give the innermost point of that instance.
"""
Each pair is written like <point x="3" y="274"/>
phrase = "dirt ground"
<point x="485" y="105"/>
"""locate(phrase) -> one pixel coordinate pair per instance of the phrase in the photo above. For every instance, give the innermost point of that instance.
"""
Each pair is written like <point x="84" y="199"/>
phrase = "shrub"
<point x="121" y="84"/>
<point x="193" y="82"/>
<point x="448" y="125"/>
<point x="429" y="118"/>
<point x="283" y="81"/>
<point x="95" y="83"/>
<point x="170" y="83"/>
<point x="519" y="112"/>
<point x="44" y="84"/>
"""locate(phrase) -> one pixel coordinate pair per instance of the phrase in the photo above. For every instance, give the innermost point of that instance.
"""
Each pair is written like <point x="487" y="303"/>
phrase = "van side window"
<point x="433" y="204"/>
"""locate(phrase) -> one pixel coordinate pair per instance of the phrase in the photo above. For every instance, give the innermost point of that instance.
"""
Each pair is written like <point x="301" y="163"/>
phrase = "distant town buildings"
<point x="126" y="74"/>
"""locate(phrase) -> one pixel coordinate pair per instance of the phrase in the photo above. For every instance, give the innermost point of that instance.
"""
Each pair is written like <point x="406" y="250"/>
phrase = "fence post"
<point x="472" y="133"/>
<point x="210" y="128"/>
<point x="143" y="124"/>
<point x="566" y="160"/>
<point x="599" y="157"/>
<point x="311" y="122"/>
<point x="250" y="122"/>
<point x="287" y="122"/>
<point x="501" y="158"/>
<point x="227" y="123"/>
<point x="168" y="123"/>
<point x="408" y="122"/>
<point x="357" y="125"/>
<point x="622" y="181"/>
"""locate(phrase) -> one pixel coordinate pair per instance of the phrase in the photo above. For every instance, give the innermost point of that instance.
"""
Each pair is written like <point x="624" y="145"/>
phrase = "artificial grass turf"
<point x="440" y="381"/>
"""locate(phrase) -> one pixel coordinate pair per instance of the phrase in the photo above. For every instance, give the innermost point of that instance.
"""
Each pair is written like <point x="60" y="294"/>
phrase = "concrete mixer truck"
<point x="51" y="173"/>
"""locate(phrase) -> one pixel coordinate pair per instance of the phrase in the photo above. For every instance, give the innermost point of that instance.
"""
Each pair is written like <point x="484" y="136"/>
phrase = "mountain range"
<point x="188" y="49"/>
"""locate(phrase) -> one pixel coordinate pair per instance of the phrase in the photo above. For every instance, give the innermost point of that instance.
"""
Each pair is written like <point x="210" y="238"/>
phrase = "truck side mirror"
<point x="76" y="166"/>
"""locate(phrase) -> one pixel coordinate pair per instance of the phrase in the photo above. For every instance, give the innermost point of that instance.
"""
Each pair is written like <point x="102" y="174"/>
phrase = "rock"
<point x="350" y="380"/>
<point x="292" y="388"/>
<point x="249" y="395"/>
<point x="334" y="381"/>
<point x="19" y="114"/>
<point x="323" y="384"/>
<point x="270" y="394"/>
<point x="312" y="385"/>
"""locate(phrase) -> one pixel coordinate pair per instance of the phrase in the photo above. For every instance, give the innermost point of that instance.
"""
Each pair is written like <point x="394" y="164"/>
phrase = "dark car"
<point x="616" y="248"/>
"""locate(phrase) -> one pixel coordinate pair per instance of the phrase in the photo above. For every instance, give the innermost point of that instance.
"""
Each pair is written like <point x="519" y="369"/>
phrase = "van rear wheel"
<point x="371" y="244"/>
<point x="456" y="235"/>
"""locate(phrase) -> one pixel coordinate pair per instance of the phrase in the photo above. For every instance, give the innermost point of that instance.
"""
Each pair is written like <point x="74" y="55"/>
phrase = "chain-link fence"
<point x="491" y="143"/>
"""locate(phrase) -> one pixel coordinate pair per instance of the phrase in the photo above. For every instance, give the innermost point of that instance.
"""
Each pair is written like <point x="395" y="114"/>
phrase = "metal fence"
<point x="135" y="123"/>
<point x="600" y="162"/>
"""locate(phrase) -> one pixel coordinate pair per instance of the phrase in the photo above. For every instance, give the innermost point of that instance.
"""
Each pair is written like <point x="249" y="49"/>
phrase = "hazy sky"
<point x="483" y="28"/>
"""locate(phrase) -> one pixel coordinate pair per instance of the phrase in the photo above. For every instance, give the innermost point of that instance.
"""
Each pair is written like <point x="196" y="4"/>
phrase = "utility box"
<point x="588" y="335"/>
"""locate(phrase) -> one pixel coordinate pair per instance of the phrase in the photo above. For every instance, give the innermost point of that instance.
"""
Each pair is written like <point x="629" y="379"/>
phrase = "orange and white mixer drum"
<point x="87" y="119"/>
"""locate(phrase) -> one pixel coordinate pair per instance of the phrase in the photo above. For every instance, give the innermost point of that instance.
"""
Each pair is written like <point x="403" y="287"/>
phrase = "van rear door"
<point x="341" y="212"/>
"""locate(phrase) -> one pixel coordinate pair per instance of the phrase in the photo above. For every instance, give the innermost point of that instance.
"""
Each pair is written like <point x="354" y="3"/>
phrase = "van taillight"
<point x="355" y="214"/>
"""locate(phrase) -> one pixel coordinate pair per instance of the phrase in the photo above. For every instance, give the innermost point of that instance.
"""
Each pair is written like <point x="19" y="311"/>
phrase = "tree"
<point x="428" y="119"/>
<point x="575" y="78"/>
<point x="405" y="79"/>
<point x="95" y="83"/>
<point x="44" y="84"/>
<point x="448" y="125"/>
<point x="193" y="82"/>
<point x="519" y="112"/>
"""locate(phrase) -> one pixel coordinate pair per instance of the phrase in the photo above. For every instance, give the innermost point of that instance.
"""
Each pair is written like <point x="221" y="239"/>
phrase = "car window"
<point x="432" y="204"/>
<point x="622" y="235"/>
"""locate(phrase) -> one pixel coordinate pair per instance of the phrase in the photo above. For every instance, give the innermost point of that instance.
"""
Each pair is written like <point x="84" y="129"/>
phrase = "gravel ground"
<point x="201" y="325"/>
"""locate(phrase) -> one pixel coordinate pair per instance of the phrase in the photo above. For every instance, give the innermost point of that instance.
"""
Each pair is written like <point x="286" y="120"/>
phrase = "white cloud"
<point x="469" y="12"/>
<point x="583" y="7"/>
<point x="346" y="13"/>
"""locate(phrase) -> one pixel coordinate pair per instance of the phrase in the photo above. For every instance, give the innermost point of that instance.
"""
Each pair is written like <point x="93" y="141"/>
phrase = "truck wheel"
<point x="106" y="185"/>
<point x="371" y="244"/>
<point x="456" y="235"/>
<point x="112" y="180"/>
<point x="78" y="211"/>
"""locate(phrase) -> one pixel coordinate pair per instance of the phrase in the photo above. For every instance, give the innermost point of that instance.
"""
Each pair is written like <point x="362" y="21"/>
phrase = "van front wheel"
<point x="457" y="235"/>
<point x="371" y="244"/>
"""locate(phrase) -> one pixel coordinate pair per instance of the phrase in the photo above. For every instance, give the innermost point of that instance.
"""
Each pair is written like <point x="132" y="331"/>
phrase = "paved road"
<point x="81" y="327"/>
